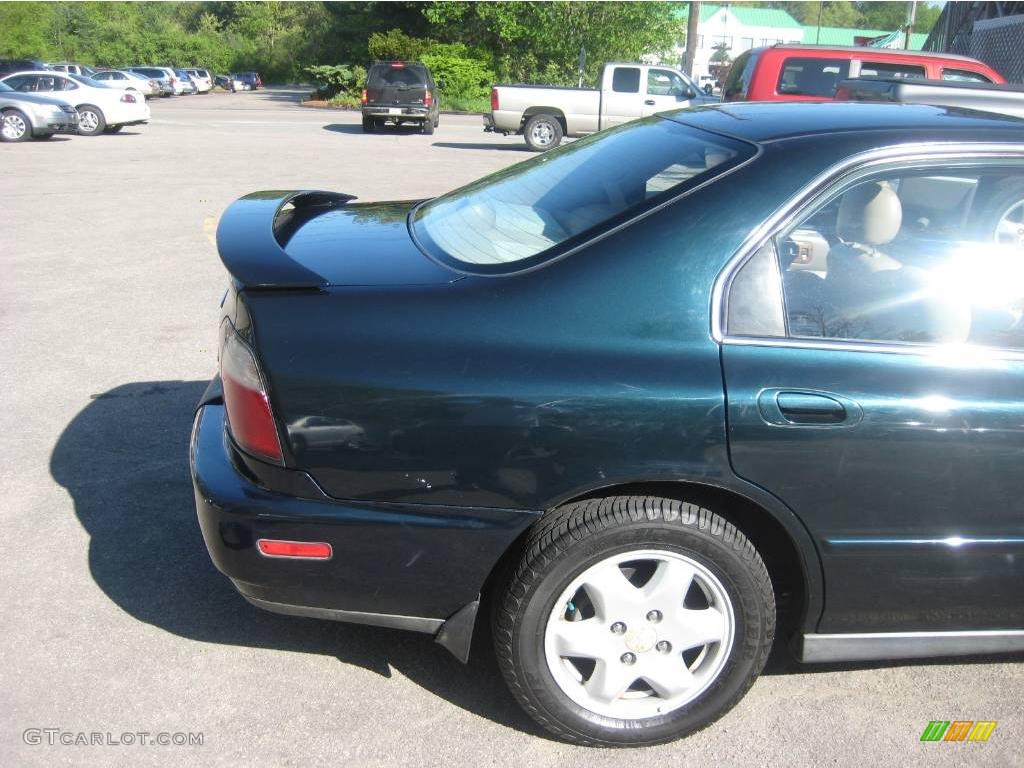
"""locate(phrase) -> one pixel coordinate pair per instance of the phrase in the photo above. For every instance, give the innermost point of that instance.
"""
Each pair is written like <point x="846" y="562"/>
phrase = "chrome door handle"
<point x="650" y="102"/>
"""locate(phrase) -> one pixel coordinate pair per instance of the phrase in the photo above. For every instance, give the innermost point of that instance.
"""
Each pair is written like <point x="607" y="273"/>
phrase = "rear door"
<point x="396" y="85"/>
<point x="623" y="96"/>
<point x="874" y="370"/>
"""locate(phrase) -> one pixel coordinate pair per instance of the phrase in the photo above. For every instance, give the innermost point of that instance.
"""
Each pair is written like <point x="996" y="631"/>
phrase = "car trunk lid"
<point x="290" y="240"/>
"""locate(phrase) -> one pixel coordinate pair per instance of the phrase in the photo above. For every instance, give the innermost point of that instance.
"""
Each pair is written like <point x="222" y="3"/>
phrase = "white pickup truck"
<point x="543" y="114"/>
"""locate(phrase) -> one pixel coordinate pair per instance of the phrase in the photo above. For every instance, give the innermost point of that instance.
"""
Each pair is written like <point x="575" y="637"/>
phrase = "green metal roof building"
<point x="843" y="36"/>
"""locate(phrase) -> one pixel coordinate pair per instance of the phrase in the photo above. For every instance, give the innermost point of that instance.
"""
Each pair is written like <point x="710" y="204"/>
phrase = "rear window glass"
<point x="811" y="77"/>
<point x="626" y="80"/>
<point x="885" y="69"/>
<point x="964" y="76"/>
<point x="518" y="216"/>
<point x="389" y="75"/>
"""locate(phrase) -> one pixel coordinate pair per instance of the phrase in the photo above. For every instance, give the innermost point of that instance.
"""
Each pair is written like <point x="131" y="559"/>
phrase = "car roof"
<point x="867" y="51"/>
<point x="768" y="121"/>
<point x="47" y="72"/>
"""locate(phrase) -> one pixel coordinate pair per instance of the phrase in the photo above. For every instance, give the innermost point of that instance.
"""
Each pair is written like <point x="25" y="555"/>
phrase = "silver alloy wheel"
<point x="639" y="634"/>
<point x="88" y="121"/>
<point x="1010" y="229"/>
<point x="13" y="126"/>
<point x="542" y="133"/>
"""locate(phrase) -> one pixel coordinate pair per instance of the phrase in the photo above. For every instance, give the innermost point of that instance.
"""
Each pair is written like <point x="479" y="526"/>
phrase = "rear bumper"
<point x="409" y="566"/>
<point x="375" y="110"/>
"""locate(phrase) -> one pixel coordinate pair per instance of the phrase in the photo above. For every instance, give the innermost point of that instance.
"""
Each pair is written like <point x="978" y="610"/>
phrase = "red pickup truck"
<point x="811" y="72"/>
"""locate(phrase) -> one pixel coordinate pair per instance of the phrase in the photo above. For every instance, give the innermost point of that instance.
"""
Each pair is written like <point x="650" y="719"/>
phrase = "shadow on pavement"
<point x="390" y="130"/>
<point x="517" y="147"/>
<point x="124" y="460"/>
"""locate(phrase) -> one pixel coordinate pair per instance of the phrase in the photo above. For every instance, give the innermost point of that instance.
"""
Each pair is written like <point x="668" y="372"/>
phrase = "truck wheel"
<point x="428" y="127"/>
<point x="543" y="132"/>
<point x="369" y="125"/>
<point x="633" y="620"/>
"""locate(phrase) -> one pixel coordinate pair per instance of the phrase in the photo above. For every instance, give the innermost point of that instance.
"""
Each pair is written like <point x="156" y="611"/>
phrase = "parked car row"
<point x="97" y="107"/>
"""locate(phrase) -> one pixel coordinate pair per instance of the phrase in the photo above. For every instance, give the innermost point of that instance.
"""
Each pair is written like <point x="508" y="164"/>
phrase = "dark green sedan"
<point x="710" y="381"/>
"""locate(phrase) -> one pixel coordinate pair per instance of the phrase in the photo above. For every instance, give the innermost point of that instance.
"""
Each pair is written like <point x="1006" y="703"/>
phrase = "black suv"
<point x="400" y="91"/>
<point x="9" y="66"/>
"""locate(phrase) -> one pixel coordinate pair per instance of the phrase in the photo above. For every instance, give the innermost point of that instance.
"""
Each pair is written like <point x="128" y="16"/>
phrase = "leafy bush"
<point x="395" y="44"/>
<point x="338" y="79"/>
<point x="464" y="77"/>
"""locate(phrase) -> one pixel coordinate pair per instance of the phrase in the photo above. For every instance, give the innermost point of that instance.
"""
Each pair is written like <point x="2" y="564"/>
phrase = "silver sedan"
<point x="28" y="115"/>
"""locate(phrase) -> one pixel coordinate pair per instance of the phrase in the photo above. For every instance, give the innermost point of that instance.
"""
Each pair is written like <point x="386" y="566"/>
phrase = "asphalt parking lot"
<point x="114" y="619"/>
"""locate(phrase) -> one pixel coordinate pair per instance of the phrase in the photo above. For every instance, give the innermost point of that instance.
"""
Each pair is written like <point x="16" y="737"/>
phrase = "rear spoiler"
<point x="986" y="97"/>
<point x="247" y="238"/>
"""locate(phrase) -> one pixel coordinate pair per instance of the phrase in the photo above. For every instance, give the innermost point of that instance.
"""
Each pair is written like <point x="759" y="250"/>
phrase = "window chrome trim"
<point x="820" y="188"/>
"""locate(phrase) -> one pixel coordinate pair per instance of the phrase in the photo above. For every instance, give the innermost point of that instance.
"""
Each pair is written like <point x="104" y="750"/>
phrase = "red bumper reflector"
<point x="310" y="550"/>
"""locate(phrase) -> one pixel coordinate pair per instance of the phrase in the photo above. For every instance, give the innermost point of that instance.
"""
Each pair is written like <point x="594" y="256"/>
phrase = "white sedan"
<point x="100" y="107"/>
<point x="128" y="81"/>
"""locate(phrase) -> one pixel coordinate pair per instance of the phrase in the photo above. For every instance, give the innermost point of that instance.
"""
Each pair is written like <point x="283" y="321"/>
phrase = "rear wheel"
<point x="633" y="621"/>
<point x="543" y="132"/>
<point x="14" y="126"/>
<point x="369" y="125"/>
<point x="427" y="127"/>
<point x="90" y="120"/>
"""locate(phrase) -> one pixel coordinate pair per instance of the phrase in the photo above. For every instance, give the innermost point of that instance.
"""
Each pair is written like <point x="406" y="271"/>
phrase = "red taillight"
<point x="428" y="98"/>
<point x="494" y="99"/>
<point x="250" y="417"/>
<point x="128" y="99"/>
<point x="310" y="550"/>
<point x="364" y="95"/>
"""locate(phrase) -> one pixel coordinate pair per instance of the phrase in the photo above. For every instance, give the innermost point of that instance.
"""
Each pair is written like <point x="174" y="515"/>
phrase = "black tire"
<point x="94" y="126"/>
<point x="113" y="128"/>
<point x="574" y="538"/>
<point x="993" y="201"/>
<point x="428" y="127"/>
<point x="369" y="125"/>
<point x="14" y="126"/>
<point x="543" y="132"/>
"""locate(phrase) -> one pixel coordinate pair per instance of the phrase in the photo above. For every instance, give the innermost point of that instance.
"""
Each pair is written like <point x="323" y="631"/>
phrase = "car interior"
<point x="921" y="258"/>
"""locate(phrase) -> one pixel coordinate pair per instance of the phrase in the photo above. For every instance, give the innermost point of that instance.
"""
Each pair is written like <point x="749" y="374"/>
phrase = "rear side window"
<point x="811" y="77"/>
<point x="389" y="75"/>
<point x="514" y="218"/>
<point x="626" y="80"/>
<point x="737" y="82"/>
<point x="964" y="76"/>
<point x="886" y="69"/>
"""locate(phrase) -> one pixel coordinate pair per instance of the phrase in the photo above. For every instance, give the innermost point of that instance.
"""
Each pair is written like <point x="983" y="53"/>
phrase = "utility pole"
<point x="691" y="37"/>
<point x="911" y="17"/>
